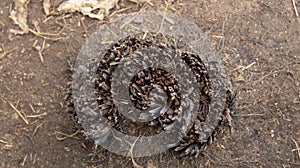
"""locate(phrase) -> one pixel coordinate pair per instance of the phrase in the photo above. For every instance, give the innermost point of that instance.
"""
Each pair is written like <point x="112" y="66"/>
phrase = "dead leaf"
<point x="19" y="15"/>
<point x="87" y="7"/>
<point x="46" y="6"/>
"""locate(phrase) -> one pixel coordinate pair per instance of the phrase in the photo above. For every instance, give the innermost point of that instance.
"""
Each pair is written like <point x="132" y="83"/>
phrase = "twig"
<point x="248" y="66"/>
<point x="66" y="135"/>
<point x="32" y="108"/>
<point x="40" y="52"/>
<point x="107" y="42"/>
<point x="276" y="70"/>
<point x="12" y="106"/>
<point x="3" y="141"/>
<point x="36" y="129"/>
<point x="295" y="8"/>
<point x="247" y="115"/>
<point x="127" y="23"/>
<point x="39" y="49"/>
<point x="119" y="11"/>
<point x="222" y="40"/>
<point x="297" y="148"/>
<point x="37" y="115"/>
<point x="44" y="35"/>
<point x="6" y="52"/>
<point x="24" y="161"/>
<point x="243" y="68"/>
<point x="135" y="165"/>
<point x="164" y="17"/>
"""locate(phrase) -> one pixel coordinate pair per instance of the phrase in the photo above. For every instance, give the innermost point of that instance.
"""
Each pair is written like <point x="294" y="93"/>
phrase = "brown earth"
<point x="260" y="46"/>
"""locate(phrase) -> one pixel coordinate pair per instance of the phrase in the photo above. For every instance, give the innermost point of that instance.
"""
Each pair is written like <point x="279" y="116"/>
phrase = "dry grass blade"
<point x="276" y="70"/>
<point x="65" y="136"/>
<point x="47" y="36"/>
<point x="135" y="165"/>
<point x="36" y="129"/>
<point x="295" y="8"/>
<point x="13" y="107"/>
<point x="3" y="141"/>
<point x="6" y="52"/>
<point x="37" y="115"/>
<point x="24" y="161"/>
<point x="164" y="17"/>
<point x="247" y="115"/>
<point x="297" y="148"/>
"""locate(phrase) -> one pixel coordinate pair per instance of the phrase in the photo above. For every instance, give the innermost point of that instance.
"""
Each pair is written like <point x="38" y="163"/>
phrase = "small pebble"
<point x="138" y="21"/>
<point x="272" y="133"/>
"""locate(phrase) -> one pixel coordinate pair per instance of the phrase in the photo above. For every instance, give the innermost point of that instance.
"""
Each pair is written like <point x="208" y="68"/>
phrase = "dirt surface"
<point x="259" y="42"/>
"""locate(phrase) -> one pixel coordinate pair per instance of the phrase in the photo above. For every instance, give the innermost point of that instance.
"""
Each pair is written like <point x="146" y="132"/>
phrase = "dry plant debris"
<point x="23" y="117"/>
<point x="19" y="15"/>
<point x="297" y="148"/>
<point x="142" y="1"/>
<point x="5" y="52"/>
<point x="3" y="141"/>
<point x="295" y="8"/>
<point x="92" y="8"/>
<point x="88" y="7"/>
<point x="46" y="6"/>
